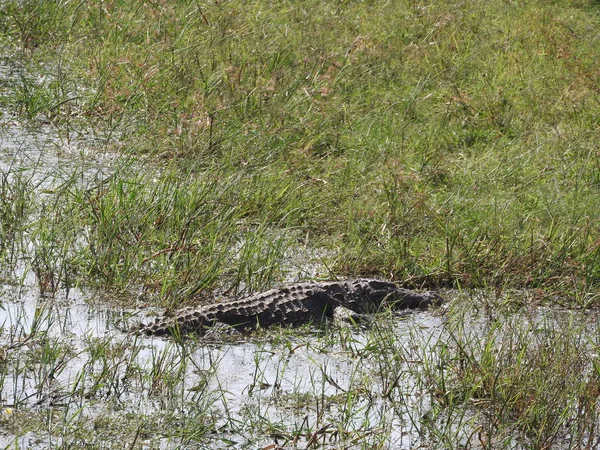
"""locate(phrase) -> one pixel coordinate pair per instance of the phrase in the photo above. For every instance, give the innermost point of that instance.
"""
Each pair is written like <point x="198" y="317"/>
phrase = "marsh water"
<point x="67" y="345"/>
<point x="72" y="357"/>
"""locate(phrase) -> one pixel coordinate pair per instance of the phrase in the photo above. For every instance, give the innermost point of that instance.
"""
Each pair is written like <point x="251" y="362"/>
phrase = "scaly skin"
<point x="291" y="305"/>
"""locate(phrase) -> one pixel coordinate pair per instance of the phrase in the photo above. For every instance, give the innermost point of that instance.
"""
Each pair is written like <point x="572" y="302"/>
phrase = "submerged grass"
<point x="433" y="142"/>
<point x="459" y="378"/>
<point x="518" y="378"/>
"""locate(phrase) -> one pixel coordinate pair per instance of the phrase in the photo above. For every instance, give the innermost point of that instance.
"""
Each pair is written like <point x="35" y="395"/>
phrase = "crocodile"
<point x="291" y="305"/>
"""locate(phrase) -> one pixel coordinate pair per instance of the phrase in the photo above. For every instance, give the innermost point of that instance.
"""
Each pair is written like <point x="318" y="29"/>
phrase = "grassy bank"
<point x="433" y="142"/>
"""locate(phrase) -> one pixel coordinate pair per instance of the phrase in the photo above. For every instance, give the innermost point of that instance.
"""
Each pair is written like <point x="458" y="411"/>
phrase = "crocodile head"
<point x="376" y="293"/>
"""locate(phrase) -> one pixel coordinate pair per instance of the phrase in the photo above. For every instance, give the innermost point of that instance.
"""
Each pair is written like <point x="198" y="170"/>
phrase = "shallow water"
<point x="235" y="381"/>
<point x="68" y="360"/>
<point x="42" y="153"/>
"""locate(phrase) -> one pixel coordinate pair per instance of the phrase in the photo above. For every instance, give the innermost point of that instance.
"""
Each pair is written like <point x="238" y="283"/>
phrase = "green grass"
<point x="435" y="143"/>
<point x="438" y="143"/>
<point x="16" y="196"/>
<point x="514" y="378"/>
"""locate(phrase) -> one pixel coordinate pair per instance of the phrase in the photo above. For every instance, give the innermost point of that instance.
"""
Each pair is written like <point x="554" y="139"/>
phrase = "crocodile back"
<point x="292" y="305"/>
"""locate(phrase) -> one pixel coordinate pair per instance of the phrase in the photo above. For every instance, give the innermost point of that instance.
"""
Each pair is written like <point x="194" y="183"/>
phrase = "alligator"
<point x="291" y="305"/>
